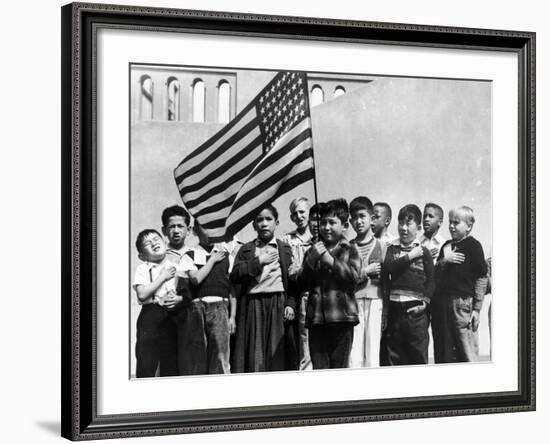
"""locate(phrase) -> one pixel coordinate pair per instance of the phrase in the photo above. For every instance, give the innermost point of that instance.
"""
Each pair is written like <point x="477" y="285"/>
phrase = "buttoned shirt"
<point x="299" y="244"/>
<point x="436" y="241"/>
<point x="175" y="255"/>
<point x="147" y="272"/>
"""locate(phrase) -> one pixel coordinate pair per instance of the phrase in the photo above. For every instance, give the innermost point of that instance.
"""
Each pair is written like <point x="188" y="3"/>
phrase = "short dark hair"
<point x="335" y="208"/>
<point x="314" y="209"/>
<point x="410" y="212"/>
<point x="142" y="235"/>
<point x="270" y="208"/>
<point x="175" y="210"/>
<point x="386" y="207"/>
<point x="360" y="203"/>
<point x="435" y="207"/>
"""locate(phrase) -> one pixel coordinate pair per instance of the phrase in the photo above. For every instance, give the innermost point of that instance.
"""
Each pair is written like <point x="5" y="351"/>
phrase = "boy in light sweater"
<point x="365" y="351"/>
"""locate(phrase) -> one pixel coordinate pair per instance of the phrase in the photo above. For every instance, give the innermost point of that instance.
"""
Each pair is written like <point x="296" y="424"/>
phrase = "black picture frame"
<point x="80" y="22"/>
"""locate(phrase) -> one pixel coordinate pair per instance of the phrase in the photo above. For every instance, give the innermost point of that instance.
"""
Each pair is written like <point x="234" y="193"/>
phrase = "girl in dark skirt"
<point x="265" y="339"/>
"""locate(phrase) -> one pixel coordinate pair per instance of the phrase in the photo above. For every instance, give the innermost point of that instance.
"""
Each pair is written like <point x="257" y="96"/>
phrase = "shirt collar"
<point x="180" y="251"/>
<point x="438" y="239"/>
<point x="156" y="264"/>
<point x="414" y="243"/>
<point x="306" y="237"/>
<point x="260" y="243"/>
<point x="368" y="240"/>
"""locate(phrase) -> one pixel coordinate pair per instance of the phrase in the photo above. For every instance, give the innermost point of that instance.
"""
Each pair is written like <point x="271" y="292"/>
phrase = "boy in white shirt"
<point x="432" y="218"/>
<point x="155" y="283"/>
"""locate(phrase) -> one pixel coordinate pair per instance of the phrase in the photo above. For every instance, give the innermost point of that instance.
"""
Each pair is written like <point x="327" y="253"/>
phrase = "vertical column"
<point x="211" y="99"/>
<point x="186" y="97"/>
<point x="159" y="95"/>
<point x="232" y="97"/>
<point x="135" y="91"/>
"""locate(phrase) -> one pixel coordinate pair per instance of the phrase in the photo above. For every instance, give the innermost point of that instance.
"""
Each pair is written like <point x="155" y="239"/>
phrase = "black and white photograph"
<point x="275" y="221"/>
<point x="302" y="221"/>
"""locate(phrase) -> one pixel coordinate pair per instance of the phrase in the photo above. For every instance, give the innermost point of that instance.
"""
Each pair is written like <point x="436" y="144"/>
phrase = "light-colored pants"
<point x="305" y="358"/>
<point x="467" y="342"/>
<point x="365" y="350"/>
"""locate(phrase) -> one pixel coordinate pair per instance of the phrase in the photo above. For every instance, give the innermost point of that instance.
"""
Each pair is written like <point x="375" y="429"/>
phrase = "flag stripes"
<point x="278" y="158"/>
<point x="264" y="152"/>
<point x="212" y="144"/>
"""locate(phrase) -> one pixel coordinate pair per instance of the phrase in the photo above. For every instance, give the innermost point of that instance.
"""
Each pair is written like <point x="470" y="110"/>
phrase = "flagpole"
<point x="313" y="161"/>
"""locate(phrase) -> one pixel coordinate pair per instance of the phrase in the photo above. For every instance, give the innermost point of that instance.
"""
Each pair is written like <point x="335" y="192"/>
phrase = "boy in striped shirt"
<point x="365" y="351"/>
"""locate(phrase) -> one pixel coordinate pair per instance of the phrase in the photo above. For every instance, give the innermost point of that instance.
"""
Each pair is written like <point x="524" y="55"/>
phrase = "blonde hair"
<point x="464" y="213"/>
<point x="295" y="202"/>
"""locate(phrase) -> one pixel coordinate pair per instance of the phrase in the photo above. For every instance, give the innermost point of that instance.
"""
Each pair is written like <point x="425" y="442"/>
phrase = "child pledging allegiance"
<point x="408" y="274"/>
<point x="155" y="284"/>
<point x="461" y="287"/>
<point x="210" y="318"/>
<point x="432" y="218"/>
<point x="265" y="303"/>
<point x="365" y="351"/>
<point x="299" y="241"/>
<point x="329" y="274"/>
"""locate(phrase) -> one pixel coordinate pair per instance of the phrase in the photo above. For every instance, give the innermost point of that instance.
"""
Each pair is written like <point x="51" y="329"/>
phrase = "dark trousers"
<point x="157" y="341"/>
<point x="172" y="332"/>
<point x="444" y="350"/>
<point x="330" y="345"/>
<point x="148" y="340"/>
<point x="406" y="338"/>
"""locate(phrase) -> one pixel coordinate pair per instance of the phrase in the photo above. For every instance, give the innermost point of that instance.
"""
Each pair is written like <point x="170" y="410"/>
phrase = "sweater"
<point x="459" y="280"/>
<point x="216" y="283"/>
<point x="414" y="277"/>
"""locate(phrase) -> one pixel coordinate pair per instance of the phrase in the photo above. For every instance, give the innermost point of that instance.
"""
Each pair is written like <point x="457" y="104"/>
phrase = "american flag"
<point x="264" y="152"/>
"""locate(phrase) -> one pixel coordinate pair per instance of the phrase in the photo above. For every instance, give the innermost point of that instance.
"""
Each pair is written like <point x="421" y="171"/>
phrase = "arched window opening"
<point x="173" y="99"/>
<point x="146" y="98"/>
<point x="339" y="91"/>
<point x="198" y="100"/>
<point x="317" y="95"/>
<point x="224" y="101"/>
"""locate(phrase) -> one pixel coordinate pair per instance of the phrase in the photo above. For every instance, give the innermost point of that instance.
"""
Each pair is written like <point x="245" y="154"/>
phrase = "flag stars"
<point x="281" y="106"/>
